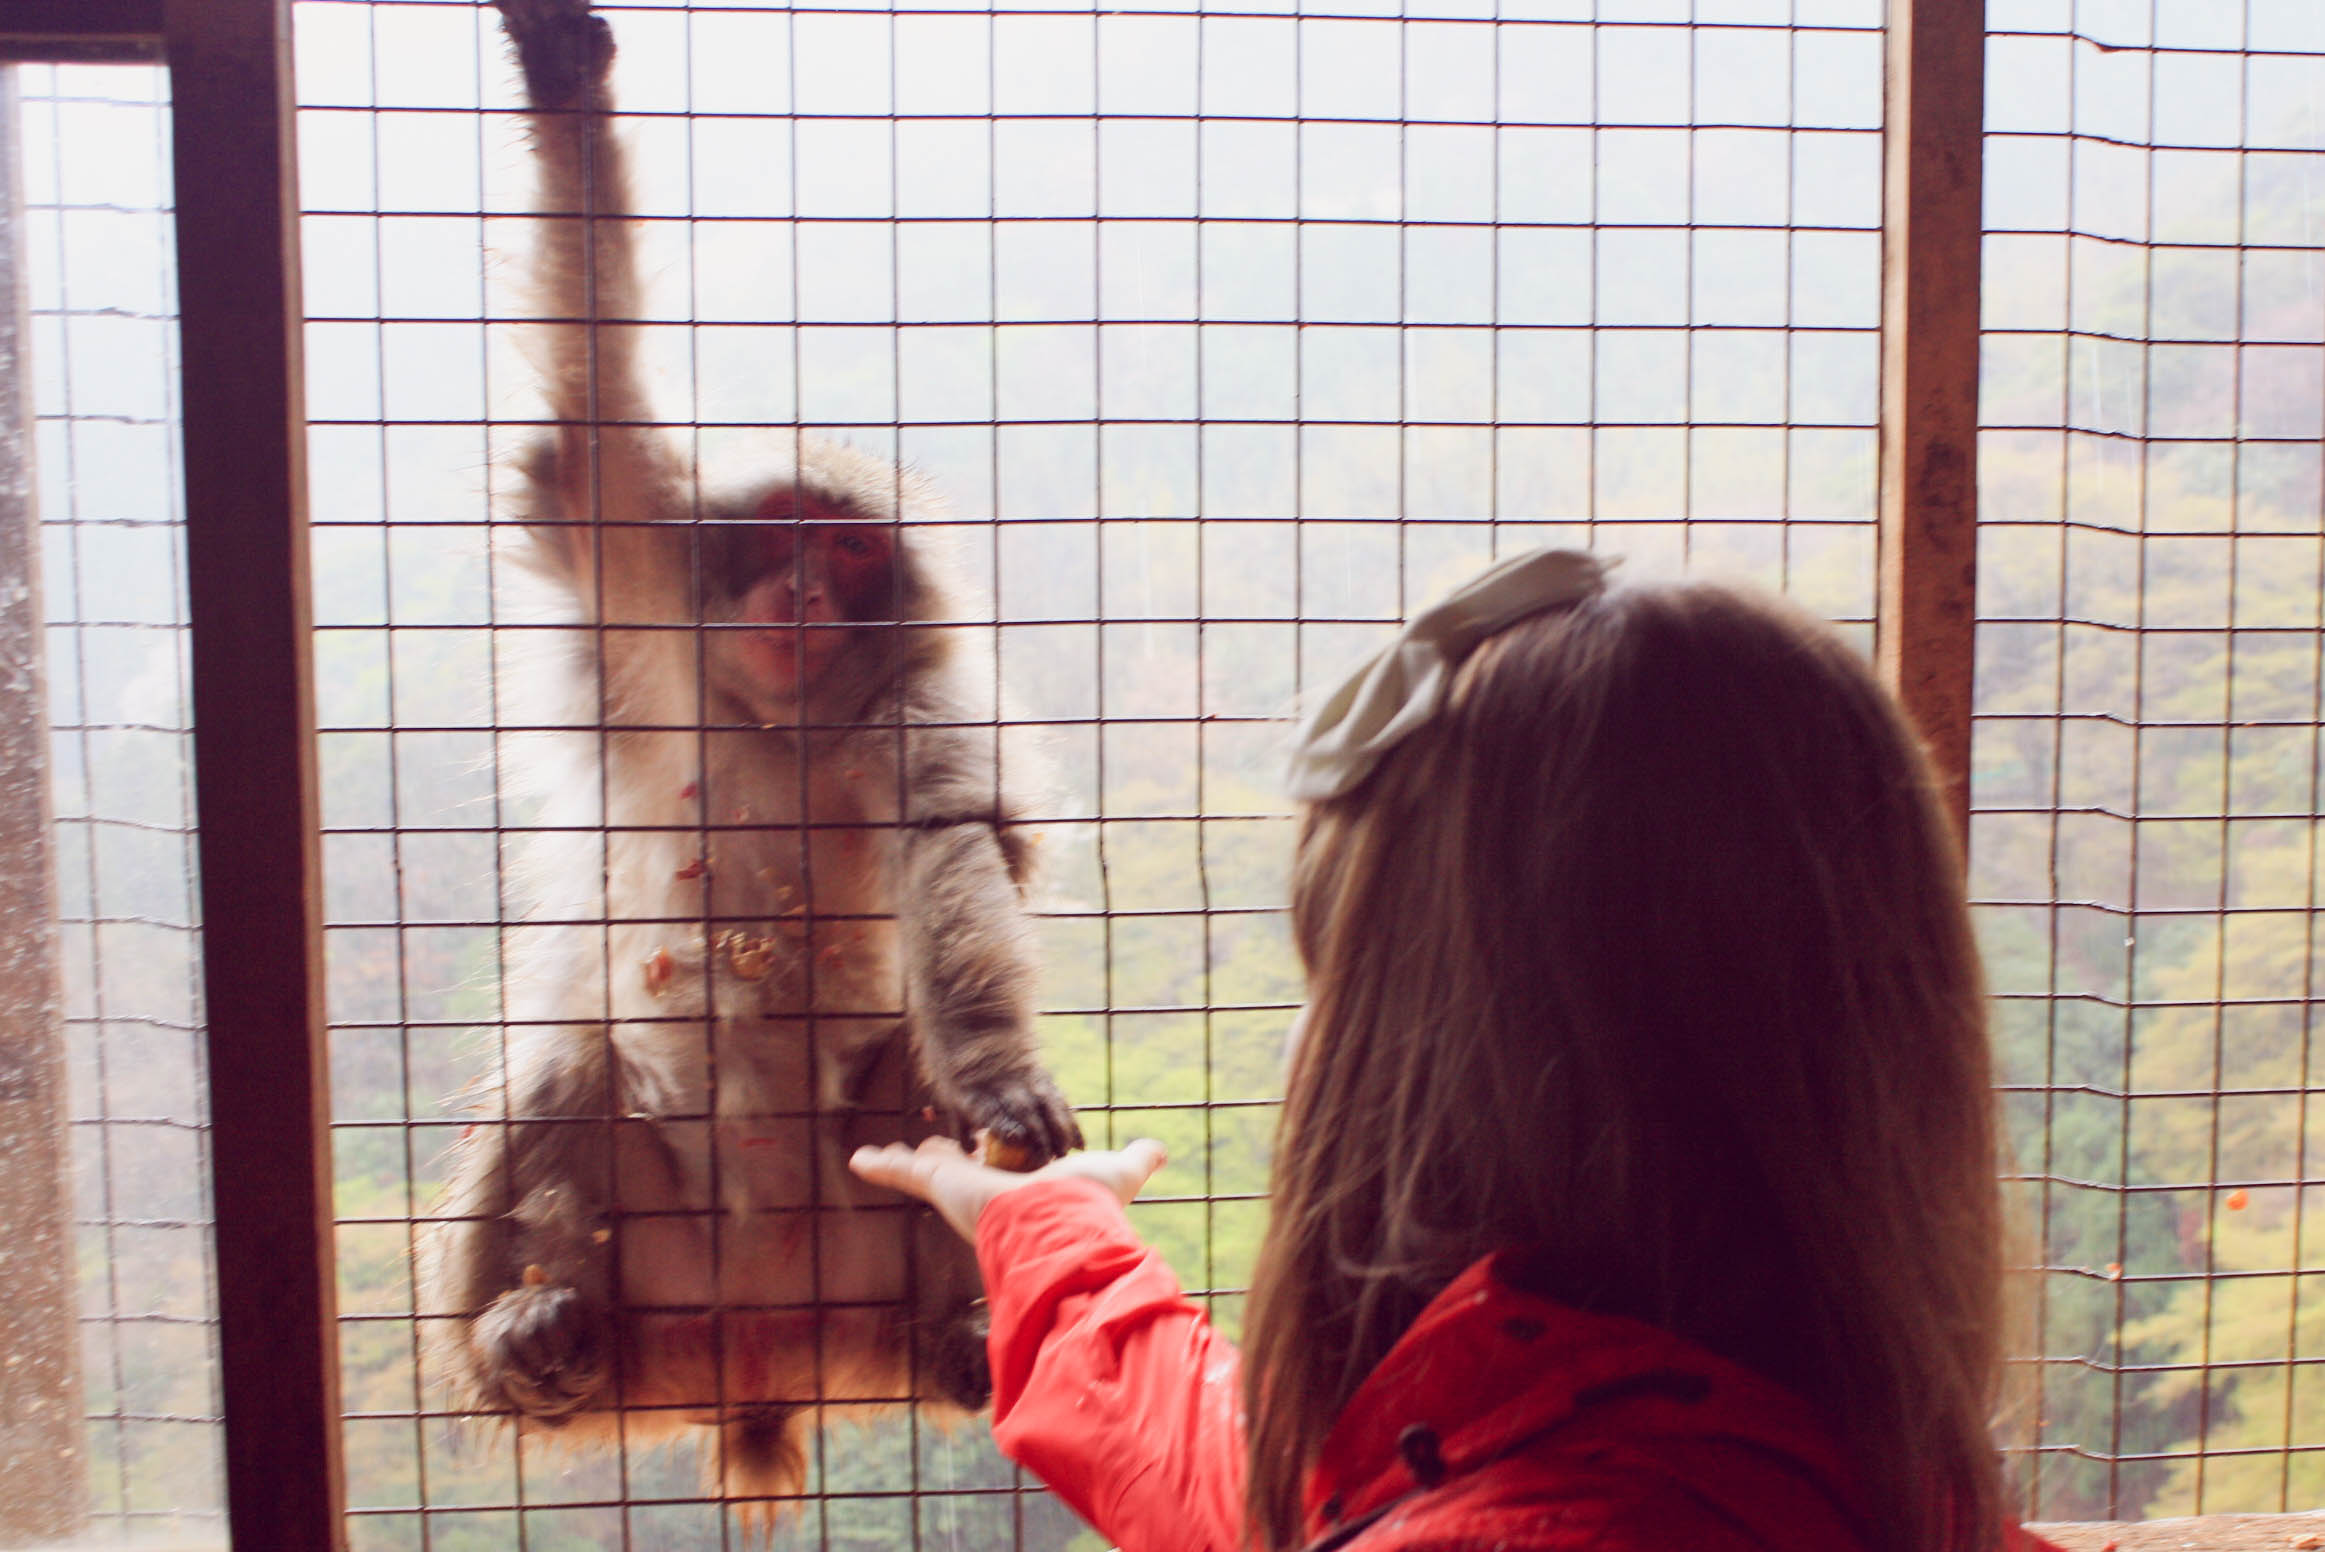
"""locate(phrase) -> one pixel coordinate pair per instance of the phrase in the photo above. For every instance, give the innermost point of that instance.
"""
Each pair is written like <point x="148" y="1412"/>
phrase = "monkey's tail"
<point x="760" y="1464"/>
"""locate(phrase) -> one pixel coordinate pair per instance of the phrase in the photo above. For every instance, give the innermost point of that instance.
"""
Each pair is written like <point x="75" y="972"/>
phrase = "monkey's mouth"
<point x="783" y="657"/>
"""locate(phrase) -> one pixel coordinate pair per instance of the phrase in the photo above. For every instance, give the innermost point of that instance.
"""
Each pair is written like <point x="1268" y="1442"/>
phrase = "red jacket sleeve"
<point x="1108" y="1382"/>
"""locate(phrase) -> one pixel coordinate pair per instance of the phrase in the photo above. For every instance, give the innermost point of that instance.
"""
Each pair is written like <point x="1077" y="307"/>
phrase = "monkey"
<point x="776" y="910"/>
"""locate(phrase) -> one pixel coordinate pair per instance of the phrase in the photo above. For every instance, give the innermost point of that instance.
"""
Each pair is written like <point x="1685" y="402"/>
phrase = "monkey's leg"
<point x="522" y="1261"/>
<point x="950" y="1331"/>
<point x="934" y="1350"/>
<point x="948" y="1323"/>
<point x="546" y="1346"/>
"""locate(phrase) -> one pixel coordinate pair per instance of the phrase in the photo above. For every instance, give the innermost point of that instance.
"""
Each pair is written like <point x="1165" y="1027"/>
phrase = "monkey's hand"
<point x="543" y="1349"/>
<point x="565" y="51"/>
<point x="1021" y="1112"/>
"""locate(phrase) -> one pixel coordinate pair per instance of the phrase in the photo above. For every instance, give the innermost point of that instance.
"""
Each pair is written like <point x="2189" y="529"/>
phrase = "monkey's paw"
<point x="563" y="48"/>
<point x="1024" y="1113"/>
<point x="543" y="1350"/>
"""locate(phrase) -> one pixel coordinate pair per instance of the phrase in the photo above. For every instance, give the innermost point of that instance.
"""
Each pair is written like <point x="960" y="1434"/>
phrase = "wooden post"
<point x="1925" y="635"/>
<point x="254" y="770"/>
<point x="43" y="1474"/>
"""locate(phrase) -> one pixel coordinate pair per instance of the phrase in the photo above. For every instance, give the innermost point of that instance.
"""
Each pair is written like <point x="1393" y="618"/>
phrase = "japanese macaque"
<point x="774" y="913"/>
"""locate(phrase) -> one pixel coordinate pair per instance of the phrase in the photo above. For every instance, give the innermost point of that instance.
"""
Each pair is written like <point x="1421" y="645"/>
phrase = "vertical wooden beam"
<point x="41" y="1457"/>
<point x="246" y="557"/>
<point x="1925" y="635"/>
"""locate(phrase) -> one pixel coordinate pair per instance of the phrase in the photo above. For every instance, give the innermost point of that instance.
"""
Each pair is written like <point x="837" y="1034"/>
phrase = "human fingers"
<point x="940" y="1174"/>
<point x="901" y="1167"/>
<point x="1124" y="1171"/>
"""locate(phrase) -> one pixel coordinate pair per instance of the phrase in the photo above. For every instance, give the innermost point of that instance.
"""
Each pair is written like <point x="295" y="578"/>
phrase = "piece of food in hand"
<point x="995" y="1153"/>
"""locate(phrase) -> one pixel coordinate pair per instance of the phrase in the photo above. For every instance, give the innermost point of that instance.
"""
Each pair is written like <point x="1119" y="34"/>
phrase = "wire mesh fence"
<point x="95" y="244"/>
<point x="2147" y="755"/>
<point x="1230" y="338"/>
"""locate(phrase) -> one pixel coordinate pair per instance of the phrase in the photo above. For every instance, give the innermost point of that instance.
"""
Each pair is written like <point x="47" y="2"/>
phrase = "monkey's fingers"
<point x="1027" y="1120"/>
<point x="563" y="48"/>
<point x="992" y="1151"/>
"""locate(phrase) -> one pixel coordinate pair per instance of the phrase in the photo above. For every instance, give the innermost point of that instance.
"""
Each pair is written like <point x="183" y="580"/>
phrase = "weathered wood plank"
<point x="43" y="1475"/>
<point x="2212" y="1532"/>
<point x="1926" y="631"/>
<point x="247" y="575"/>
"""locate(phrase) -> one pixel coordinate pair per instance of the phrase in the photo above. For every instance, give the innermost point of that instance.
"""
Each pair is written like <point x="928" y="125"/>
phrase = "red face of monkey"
<point x="804" y="582"/>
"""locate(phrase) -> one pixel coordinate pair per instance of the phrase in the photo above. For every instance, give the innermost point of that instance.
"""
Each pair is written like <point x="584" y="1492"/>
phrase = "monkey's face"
<point x="799" y="588"/>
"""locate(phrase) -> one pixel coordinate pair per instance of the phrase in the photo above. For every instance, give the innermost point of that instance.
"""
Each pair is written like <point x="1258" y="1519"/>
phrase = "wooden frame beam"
<point x="240" y="317"/>
<point x="1933" y="133"/>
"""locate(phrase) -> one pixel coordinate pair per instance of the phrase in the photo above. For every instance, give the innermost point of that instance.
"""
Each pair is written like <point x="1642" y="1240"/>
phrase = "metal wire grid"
<point x="1339" y="309"/>
<point x="102" y="302"/>
<point x="2146" y="745"/>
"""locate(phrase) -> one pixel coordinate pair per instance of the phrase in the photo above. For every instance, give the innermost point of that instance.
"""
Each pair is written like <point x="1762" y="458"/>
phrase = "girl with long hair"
<point x="1635" y="1185"/>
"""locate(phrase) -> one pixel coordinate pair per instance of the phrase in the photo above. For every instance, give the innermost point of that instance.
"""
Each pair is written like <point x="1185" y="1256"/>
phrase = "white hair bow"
<point x="1400" y="687"/>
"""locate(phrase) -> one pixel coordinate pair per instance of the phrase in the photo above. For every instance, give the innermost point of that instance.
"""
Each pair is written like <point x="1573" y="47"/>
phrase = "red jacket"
<point x="1501" y="1420"/>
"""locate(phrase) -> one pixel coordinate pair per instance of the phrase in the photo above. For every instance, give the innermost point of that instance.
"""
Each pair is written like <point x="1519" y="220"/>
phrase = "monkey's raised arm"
<point x="603" y="476"/>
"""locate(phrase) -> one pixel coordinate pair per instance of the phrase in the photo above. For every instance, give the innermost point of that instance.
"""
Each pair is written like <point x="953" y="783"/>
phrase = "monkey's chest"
<point x="762" y="1034"/>
<point x="804" y="920"/>
<point x="834" y="970"/>
<point x="788" y="909"/>
<point x="844" y="968"/>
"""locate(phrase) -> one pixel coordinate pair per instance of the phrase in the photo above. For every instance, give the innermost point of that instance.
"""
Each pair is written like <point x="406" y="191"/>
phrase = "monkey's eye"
<point x="854" y="544"/>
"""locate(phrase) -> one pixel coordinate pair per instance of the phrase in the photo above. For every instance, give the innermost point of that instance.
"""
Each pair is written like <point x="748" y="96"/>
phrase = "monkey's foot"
<point x="544" y="1350"/>
<point x="1025" y="1114"/>
<point x="563" y="48"/>
<point x="953" y="1360"/>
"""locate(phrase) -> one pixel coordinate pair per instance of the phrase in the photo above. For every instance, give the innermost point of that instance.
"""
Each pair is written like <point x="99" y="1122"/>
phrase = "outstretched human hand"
<point x="960" y="1187"/>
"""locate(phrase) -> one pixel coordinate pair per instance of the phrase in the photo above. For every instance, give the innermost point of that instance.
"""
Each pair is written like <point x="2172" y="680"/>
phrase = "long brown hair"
<point x="1649" y="954"/>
